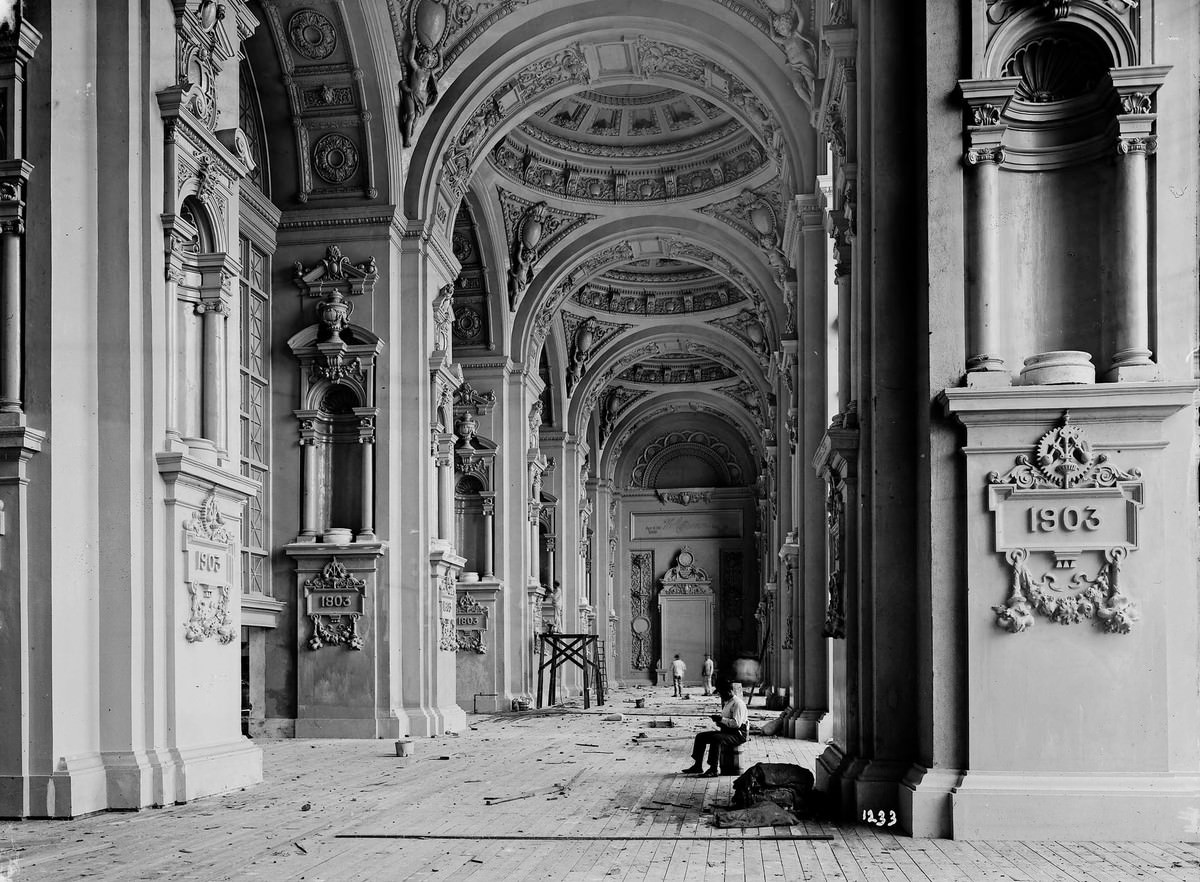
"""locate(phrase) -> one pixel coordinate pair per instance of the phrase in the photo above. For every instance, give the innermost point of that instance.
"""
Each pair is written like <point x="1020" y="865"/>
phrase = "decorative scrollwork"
<point x="1065" y="460"/>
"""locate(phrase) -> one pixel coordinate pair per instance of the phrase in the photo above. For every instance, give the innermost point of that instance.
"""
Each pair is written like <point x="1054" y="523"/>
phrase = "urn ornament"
<point x="429" y="22"/>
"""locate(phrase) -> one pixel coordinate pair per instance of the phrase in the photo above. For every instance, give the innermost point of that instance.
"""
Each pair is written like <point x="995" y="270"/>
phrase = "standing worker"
<point x="678" y="668"/>
<point x="706" y="671"/>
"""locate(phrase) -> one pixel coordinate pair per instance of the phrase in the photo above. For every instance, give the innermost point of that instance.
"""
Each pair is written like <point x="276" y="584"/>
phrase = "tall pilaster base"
<point x="338" y="642"/>
<point x="1081" y="616"/>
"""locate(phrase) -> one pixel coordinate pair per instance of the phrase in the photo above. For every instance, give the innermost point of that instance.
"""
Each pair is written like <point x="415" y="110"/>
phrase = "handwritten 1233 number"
<point x="880" y="818"/>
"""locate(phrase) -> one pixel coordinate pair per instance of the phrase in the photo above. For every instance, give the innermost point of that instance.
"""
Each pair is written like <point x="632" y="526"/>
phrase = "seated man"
<point x="734" y="724"/>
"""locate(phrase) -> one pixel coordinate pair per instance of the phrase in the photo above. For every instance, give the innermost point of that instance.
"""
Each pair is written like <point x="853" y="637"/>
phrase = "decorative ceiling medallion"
<point x="312" y="34"/>
<point x="335" y="158"/>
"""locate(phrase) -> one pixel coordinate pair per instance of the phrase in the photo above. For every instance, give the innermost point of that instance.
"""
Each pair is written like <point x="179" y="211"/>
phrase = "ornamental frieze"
<point x="1060" y="503"/>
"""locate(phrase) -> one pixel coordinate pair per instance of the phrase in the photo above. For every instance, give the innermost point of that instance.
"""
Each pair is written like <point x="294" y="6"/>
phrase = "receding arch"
<point x="466" y="120"/>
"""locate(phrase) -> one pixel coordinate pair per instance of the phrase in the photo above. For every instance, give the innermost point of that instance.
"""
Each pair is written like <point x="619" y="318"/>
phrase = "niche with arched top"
<point x="339" y="459"/>
<point x="337" y="429"/>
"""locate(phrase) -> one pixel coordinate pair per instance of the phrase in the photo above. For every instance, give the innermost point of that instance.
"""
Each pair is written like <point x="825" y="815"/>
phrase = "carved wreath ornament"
<point x="1066" y="500"/>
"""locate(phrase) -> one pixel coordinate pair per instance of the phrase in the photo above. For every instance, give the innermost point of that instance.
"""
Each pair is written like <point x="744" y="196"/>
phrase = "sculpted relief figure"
<point x="422" y="58"/>
<point x="418" y="89"/>
<point x="529" y="232"/>
<point x="788" y="26"/>
<point x="443" y="319"/>
<point x="585" y="340"/>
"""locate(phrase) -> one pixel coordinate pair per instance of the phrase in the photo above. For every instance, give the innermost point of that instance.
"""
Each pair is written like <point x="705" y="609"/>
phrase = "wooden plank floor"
<point x="555" y="795"/>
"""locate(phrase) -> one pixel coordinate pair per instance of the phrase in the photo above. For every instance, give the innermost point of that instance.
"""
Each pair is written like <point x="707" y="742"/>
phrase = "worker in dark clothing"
<point x="733" y="728"/>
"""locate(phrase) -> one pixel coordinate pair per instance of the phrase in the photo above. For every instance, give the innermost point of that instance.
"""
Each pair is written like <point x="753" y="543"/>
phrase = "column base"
<point x="926" y="802"/>
<point x="425" y="722"/>
<point x="807" y="724"/>
<point x="216" y="768"/>
<point x="76" y="787"/>
<point x="1133" y="373"/>
<point x="348" y="727"/>
<point x="992" y="805"/>
<point x="989" y="379"/>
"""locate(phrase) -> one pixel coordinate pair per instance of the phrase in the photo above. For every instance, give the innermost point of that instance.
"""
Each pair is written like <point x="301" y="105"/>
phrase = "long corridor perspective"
<point x="361" y="358"/>
<point x="556" y="795"/>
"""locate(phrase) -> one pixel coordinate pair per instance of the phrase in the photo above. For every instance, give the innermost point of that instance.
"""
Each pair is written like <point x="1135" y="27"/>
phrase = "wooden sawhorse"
<point x="579" y="649"/>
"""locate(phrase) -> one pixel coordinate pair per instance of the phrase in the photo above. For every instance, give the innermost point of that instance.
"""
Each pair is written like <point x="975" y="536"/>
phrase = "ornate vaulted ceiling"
<point x="615" y="186"/>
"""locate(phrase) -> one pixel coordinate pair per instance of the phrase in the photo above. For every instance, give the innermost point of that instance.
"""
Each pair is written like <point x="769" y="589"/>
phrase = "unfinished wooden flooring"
<point x="557" y="795"/>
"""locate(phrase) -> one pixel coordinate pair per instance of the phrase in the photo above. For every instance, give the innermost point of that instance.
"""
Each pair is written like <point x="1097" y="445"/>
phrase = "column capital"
<point x="984" y="102"/>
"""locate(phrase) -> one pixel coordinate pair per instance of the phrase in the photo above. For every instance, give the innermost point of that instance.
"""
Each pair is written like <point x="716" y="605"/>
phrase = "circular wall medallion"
<point x="684" y="559"/>
<point x="312" y="34"/>
<point x="335" y="158"/>
<point x="640" y="625"/>
<point x="468" y="324"/>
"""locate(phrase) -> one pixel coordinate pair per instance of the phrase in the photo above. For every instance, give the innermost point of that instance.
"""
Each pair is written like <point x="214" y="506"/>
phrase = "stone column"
<point x="1133" y="294"/>
<point x="984" y="295"/>
<point x="444" y="463"/>
<point x="214" y="313"/>
<point x="366" y="438"/>
<point x="984" y="102"/>
<point x="843" y="278"/>
<point x="1131" y="303"/>
<point x="489" y="553"/>
<point x="10" y="307"/>
<point x="310" y="493"/>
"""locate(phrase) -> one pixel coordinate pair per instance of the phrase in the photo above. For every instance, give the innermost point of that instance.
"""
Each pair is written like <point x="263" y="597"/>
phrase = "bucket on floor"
<point x="639" y="702"/>
<point x="404" y="747"/>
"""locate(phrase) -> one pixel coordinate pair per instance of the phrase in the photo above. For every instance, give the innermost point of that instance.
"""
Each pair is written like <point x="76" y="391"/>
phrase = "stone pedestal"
<point x="202" y="751"/>
<point x="340" y="643"/>
<point x="1081" y="618"/>
<point x="477" y="663"/>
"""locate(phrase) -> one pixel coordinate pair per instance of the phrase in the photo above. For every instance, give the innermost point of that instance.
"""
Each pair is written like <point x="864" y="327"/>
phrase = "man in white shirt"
<point x="678" y="669"/>
<point x="734" y="727"/>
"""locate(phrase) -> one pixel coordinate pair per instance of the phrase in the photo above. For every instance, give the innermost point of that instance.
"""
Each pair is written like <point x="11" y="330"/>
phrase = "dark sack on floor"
<point x="787" y="785"/>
